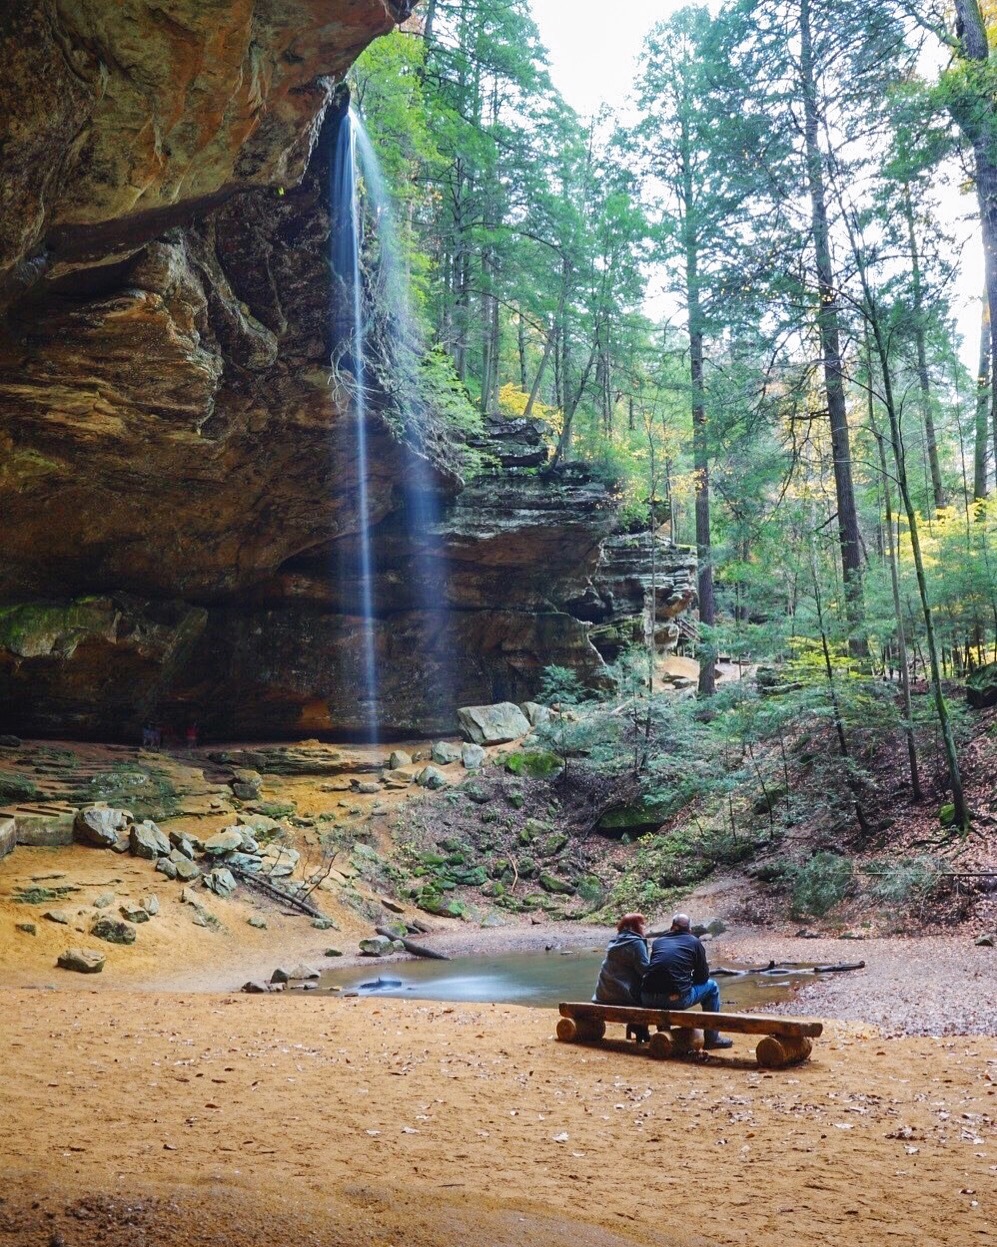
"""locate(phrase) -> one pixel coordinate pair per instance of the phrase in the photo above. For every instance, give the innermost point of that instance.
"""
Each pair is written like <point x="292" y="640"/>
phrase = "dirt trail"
<point x="265" y="1120"/>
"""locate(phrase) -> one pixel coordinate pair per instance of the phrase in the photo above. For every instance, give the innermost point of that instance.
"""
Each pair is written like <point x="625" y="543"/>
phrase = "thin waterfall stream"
<point x="346" y="248"/>
<point x="360" y="192"/>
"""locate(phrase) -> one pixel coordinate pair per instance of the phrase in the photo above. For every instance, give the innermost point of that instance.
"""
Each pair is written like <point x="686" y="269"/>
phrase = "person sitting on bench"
<point x="678" y="977"/>
<point x="623" y="970"/>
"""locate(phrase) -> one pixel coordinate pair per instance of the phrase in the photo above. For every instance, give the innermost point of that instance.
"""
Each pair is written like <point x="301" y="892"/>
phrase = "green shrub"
<point x="819" y="884"/>
<point x="17" y="788"/>
<point x="904" y="880"/>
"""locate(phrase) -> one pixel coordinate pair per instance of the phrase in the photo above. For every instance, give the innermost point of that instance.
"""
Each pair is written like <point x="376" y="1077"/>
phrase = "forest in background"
<point x="800" y="412"/>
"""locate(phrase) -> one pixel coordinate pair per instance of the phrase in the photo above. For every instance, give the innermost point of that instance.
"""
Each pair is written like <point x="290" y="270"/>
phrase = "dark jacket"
<point x="622" y="971"/>
<point x="678" y="962"/>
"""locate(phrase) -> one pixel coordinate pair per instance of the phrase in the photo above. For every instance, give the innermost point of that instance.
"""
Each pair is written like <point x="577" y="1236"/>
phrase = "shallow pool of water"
<point x="542" y="980"/>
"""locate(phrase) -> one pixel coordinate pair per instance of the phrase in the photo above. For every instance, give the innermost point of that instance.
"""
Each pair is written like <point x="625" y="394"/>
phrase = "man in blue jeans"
<point x="678" y="976"/>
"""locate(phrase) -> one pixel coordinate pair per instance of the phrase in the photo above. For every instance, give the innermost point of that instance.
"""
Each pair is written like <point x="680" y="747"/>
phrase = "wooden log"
<point x="410" y="946"/>
<point x="744" y="1023"/>
<point x="773" y="1053"/>
<point x="661" y="1046"/>
<point x="567" y="1031"/>
<point x="253" y="880"/>
<point x="687" y="1040"/>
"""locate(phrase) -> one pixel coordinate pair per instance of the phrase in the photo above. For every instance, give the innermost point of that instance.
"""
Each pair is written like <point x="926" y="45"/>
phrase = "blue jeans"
<point x="707" y="994"/>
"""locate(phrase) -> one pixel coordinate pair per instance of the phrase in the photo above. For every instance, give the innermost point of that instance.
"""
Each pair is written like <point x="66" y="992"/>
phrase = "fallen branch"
<point x="275" y="893"/>
<point x="417" y="950"/>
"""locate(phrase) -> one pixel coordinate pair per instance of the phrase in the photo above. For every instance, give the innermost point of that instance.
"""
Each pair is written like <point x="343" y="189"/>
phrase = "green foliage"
<point x="819" y="884"/>
<point x="15" y="788"/>
<point x="904" y="881"/>
<point x="537" y="764"/>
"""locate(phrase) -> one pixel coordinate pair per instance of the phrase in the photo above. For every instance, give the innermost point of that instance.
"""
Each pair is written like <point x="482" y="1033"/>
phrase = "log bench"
<point x="785" y="1041"/>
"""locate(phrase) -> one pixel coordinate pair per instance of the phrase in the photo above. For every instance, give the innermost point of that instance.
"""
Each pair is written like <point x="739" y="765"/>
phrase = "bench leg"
<point x="578" y="1030"/>
<point x="677" y="1042"/>
<point x="661" y="1045"/>
<point x="773" y="1053"/>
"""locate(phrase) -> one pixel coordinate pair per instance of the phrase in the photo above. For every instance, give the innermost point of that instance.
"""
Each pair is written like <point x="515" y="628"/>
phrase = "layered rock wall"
<point x="178" y="467"/>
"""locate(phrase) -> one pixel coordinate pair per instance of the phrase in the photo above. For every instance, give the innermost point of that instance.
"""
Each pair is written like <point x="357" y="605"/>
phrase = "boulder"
<point x="259" y="923"/>
<point x="472" y="756"/>
<point x="985" y="941"/>
<point x="57" y="915"/>
<point x="99" y="827"/>
<point x="82" y="960"/>
<point x="444" y="753"/>
<point x="535" y="713"/>
<point x="247" y="785"/>
<point x="493" y="725"/>
<point x="366" y="786"/>
<point x="221" y="881"/>
<point x="981" y="686"/>
<point x="391" y="905"/>
<point x="170" y="869"/>
<point x="248" y="843"/>
<point x="399" y="758"/>
<point x="551" y="883"/>
<point x="8" y="836"/>
<point x="104" y="900"/>
<point x="302" y="972"/>
<point x="376" y="946"/>
<point x="431" y="777"/>
<point x="148" y="841"/>
<point x="28" y="928"/>
<point x="113" y="930"/>
<point x="182" y="848"/>
<point x="150" y="904"/>
<point x="226" y="841"/>
<point x="255" y="987"/>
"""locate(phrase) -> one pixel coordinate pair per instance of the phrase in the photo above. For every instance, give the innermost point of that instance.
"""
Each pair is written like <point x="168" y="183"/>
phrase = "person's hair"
<point x="681" y="922"/>
<point x="631" y="922"/>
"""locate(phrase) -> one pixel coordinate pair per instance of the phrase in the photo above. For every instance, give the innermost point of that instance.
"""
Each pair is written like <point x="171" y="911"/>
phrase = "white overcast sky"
<point x="593" y="54"/>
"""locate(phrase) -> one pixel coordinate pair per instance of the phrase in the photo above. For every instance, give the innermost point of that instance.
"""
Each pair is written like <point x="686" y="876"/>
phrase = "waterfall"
<point x="433" y="660"/>
<point x="346" y="242"/>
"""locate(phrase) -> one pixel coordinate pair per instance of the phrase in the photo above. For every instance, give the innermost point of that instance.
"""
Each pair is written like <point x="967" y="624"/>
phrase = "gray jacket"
<point x="622" y="971"/>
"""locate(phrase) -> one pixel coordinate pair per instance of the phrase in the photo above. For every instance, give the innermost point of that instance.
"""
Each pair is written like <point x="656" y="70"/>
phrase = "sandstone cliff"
<point x="177" y="475"/>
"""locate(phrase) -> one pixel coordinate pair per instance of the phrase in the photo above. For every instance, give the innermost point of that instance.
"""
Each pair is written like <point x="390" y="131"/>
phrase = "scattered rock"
<point x="852" y="935"/>
<point x="280" y="976"/>
<point x="29" y="928"/>
<point x="399" y="758"/>
<point x="248" y="842"/>
<point x="247" y="785"/>
<point x="123" y="843"/>
<point x="99" y="827"/>
<point x="104" y="900"/>
<point x="472" y="756"/>
<point x="323" y="924"/>
<point x="148" y="841"/>
<point x="474" y="792"/>
<point x="805" y="934"/>
<point x="83" y="960"/>
<point x="431" y="777"/>
<point x="334" y="952"/>
<point x="182" y="850"/>
<point x="187" y="871"/>
<point x="493" y="725"/>
<point x="391" y="905"/>
<point x="113" y="930"/>
<point x="255" y="987"/>
<point x="57" y="915"/>
<point x="226" y="841"/>
<point x="221" y="881"/>
<point x="367" y="787"/>
<point x="986" y="941"/>
<point x="493" y="920"/>
<point x="169" y="868"/>
<point x="134" y="913"/>
<point x="301" y="972"/>
<point x="150" y="904"/>
<point x="259" y="923"/>
<point x="550" y="883"/>
<point x="444" y="753"/>
<point x="376" y="946"/>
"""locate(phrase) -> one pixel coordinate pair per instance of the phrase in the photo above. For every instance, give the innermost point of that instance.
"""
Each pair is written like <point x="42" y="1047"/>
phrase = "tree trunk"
<point x="830" y="338"/>
<point x="930" y="441"/>
<point x="983" y="407"/>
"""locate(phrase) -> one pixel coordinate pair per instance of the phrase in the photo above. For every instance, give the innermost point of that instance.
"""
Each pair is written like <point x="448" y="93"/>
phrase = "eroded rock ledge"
<point x="177" y="473"/>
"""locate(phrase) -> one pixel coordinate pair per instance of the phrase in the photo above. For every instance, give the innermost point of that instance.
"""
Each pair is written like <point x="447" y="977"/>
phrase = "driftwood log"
<point x="772" y="968"/>
<point x="410" y="946"/>
<point x="275" y="893"/>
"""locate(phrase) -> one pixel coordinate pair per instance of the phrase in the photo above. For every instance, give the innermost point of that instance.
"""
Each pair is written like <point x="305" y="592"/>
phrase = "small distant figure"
<point x="623" y="969"/>
<point x="191" y="736"/>
<point x="678" y="976"/>
<point x="157" y="737"/>
<point x="148" y="737"/>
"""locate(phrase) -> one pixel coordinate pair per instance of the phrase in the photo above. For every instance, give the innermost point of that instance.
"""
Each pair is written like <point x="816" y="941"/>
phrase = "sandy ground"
<point x="200" y="1119"/>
